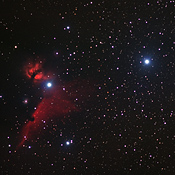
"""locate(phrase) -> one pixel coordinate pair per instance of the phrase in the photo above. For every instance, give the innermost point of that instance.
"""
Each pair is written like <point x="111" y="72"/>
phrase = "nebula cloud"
<point x="57" y="101"/>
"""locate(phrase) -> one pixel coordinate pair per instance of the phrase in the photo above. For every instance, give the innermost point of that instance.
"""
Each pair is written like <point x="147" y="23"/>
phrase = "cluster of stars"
<point x="121" y="121"/>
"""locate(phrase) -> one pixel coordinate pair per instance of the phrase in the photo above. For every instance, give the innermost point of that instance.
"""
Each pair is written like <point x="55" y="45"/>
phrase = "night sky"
<point x="87" y="87"/>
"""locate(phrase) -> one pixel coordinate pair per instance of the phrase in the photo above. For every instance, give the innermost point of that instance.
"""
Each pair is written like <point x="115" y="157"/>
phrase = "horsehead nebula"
<point x="58" y="100"/>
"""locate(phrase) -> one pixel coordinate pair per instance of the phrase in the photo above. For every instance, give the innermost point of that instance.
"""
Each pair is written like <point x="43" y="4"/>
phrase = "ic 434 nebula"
<point x="58" y="101"/>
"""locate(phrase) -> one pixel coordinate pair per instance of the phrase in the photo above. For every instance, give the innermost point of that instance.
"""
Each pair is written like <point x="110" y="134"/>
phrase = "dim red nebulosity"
<point x="34" y="70"/>
<point x="56" y="103"/>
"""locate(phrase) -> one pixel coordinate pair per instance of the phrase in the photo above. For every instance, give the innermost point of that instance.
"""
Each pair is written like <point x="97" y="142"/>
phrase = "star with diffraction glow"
<point x="147" y="61"/>
<point x="49" y="84"/>
<point x="67" y="143"/>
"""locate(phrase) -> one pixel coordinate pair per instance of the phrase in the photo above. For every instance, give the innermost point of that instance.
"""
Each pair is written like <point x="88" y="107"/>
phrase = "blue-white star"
<point x="67" y="143"/>
<point x="147" y="61"/>
<point x="49" y="84"/>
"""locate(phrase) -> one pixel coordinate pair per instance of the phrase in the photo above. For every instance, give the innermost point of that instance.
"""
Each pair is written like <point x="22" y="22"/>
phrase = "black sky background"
<point x="127" y="125"/>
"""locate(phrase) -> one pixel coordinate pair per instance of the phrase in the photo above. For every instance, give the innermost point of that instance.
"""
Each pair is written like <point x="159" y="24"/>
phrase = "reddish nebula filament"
<point x="35" y="71"/>
<point x="56" y="104"/>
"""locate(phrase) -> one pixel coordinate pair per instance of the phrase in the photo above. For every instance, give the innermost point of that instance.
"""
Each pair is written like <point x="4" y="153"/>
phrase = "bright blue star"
<point x="67" y="143"/>
<point x="49" y="84"/>
<point x="147" y="61"/>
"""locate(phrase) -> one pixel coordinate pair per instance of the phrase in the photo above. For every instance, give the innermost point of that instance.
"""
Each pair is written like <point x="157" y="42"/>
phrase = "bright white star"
<point x="146" y="61"/>
<point x="49" y="84"/>
<point x="67" y="143"/>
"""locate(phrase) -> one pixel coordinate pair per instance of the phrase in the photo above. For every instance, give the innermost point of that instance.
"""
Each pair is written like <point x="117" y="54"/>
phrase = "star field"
<point x="87" y="87"/>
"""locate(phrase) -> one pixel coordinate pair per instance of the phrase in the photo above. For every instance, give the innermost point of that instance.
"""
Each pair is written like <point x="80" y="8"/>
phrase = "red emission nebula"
<point x="35" y="71"/>
<point x="57" y="102"/>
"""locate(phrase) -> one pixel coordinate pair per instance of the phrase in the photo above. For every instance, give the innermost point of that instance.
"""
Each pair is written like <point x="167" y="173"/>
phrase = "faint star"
<point x="25" y="101"/>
